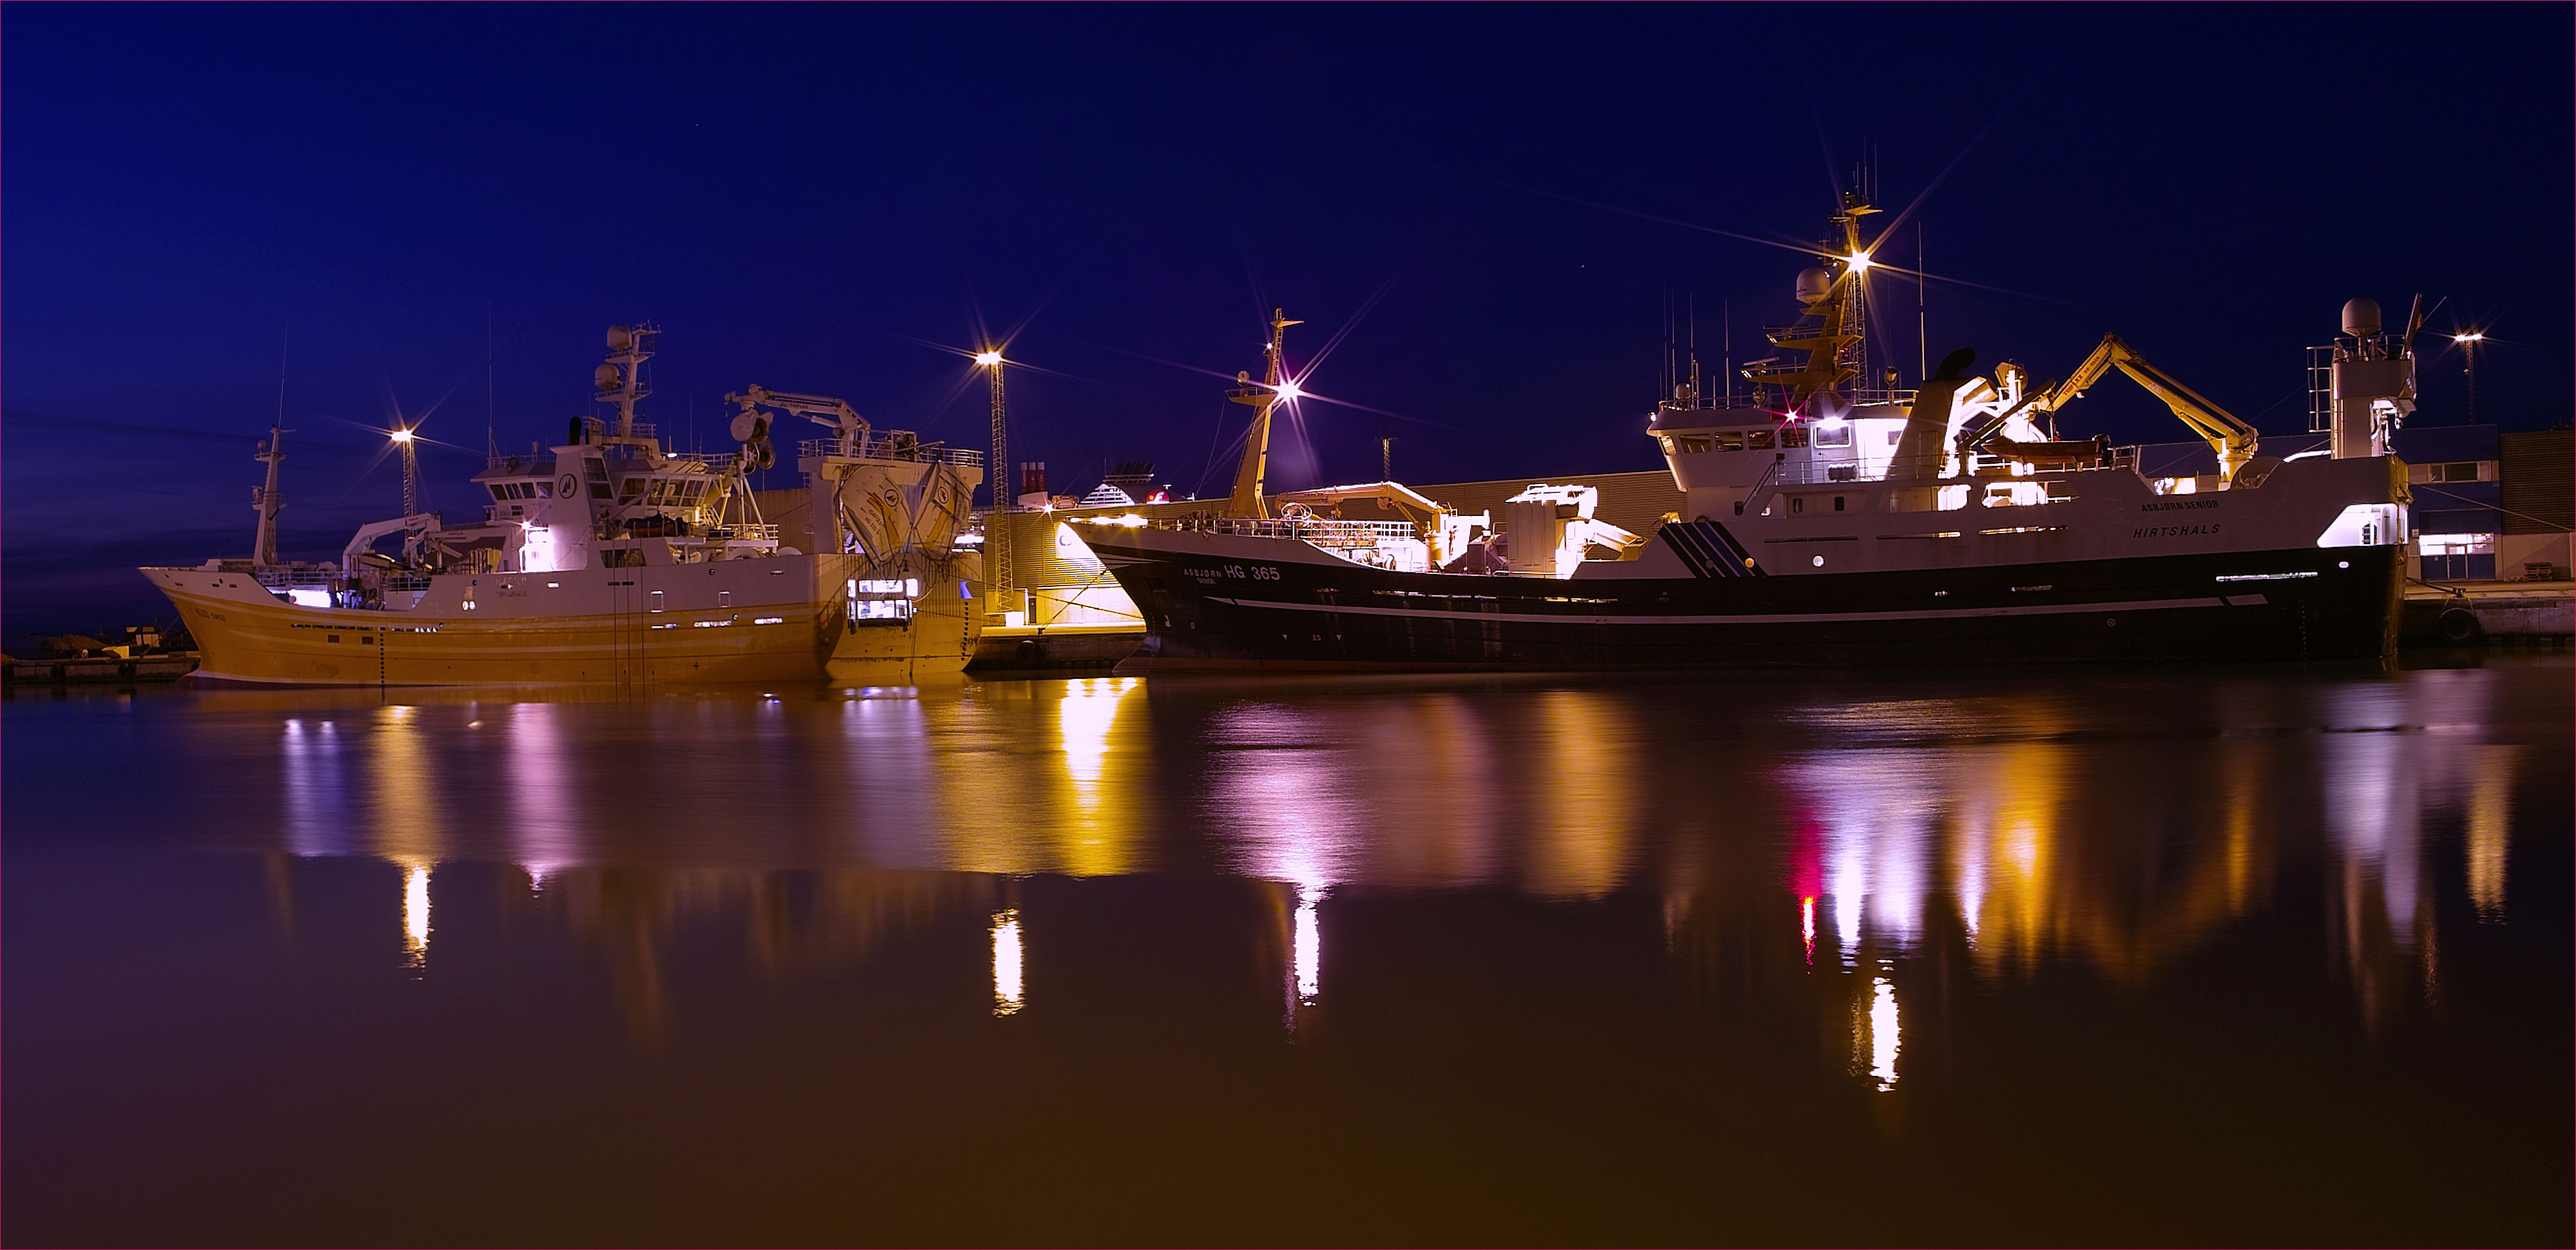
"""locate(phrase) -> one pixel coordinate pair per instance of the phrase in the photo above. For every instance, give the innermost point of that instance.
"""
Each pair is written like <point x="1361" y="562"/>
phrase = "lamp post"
<point x="997" y="527"/>
<point x="2468" y="341"/>
<point x="402" y="438"/>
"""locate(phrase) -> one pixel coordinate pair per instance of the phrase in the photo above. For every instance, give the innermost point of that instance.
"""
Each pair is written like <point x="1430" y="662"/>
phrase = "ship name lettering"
<point x="2173" y="531"/>
<point x="2168" y="505"/>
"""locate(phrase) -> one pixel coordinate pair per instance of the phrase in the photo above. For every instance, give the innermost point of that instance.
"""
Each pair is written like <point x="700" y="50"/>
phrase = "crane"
<point x="2231" y="437"/>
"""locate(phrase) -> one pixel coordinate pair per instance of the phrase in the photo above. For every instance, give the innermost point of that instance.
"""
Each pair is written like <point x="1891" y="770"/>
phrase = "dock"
<point x="105" y="670"/>
<point x="2469" y="614"/>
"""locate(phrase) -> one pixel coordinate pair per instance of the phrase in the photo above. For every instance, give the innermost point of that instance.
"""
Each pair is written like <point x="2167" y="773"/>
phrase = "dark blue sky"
<point x="796" y="194"/>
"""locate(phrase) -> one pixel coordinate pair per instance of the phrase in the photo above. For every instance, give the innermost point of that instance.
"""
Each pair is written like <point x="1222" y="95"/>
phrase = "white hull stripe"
<point x="1570" y="618"/>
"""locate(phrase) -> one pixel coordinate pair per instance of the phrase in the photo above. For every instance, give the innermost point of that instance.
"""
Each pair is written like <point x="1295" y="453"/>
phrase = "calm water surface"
<point x="2171" y="956"/>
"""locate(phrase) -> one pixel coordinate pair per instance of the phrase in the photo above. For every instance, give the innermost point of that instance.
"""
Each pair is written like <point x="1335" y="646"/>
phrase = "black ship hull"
<point x="1227" y="607"/>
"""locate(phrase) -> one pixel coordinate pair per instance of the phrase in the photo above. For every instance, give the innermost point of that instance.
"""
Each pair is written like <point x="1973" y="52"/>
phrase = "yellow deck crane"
<point x="2232" y="438"/>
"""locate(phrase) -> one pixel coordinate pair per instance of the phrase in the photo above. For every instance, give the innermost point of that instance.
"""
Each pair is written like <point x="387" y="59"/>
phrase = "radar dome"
<point x="620" y="338"/>
<point x="749" y="426"/>
<point x="2361" y="317"/>
<point x="606" y="377"/>
<point x="1813" y="284"/>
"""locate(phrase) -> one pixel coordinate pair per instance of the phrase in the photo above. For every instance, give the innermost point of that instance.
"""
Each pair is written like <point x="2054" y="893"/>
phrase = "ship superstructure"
<point x="1832" y="517"/>
<point x="611" y="559"/>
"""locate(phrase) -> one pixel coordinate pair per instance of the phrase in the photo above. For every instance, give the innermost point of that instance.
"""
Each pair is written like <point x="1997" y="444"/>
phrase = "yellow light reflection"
<point x="1099" y="844"/>
<point x="1581" y="805"/>
<point x="1006" y="962"/>
<point x="2490" y="829"/>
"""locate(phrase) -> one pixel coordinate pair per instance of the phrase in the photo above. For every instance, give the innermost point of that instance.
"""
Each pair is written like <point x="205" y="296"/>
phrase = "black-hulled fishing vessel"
<point x="1826" y="521"/>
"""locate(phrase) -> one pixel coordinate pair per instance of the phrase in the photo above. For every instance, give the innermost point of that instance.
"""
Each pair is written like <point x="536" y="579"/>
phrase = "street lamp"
<point x="402" y="438"/>
<point x="2468" y="341"/>
<point x="997" y="530"/>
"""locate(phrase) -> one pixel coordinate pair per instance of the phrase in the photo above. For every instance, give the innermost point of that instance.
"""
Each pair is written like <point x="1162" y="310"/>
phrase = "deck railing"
<point x="885" y="447"/>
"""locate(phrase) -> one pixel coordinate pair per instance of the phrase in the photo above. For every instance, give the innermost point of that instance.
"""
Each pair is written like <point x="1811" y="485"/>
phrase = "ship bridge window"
<point x="1757" y="440"/>
<point x="1731" y="440"/>
<point x="1793" y="437"/>
<point x="1694" y="442"/>
<point x="1837" y="435"/>
<point x="498" y="492"/>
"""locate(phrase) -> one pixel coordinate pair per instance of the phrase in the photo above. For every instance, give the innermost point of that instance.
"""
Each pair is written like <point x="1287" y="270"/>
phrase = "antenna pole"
<point x="1922" y="327"/>
<point x="997" y="529"/>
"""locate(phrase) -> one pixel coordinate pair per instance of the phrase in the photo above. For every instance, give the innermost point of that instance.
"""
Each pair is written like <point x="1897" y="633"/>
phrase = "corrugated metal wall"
<point x="2539" y="471"/>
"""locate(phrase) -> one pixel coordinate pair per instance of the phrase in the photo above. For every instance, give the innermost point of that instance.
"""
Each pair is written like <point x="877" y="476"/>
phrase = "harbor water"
<point x="2171" y="955"/>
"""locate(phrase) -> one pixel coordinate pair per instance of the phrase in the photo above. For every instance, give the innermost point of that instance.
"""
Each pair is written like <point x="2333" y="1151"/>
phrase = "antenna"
<point x="490" y="408"/>
<point x="1727" y="340"/>
<point x="1922" y="328"/>
<point x="1693" y="307"/>
<point x="1386" y="457"/>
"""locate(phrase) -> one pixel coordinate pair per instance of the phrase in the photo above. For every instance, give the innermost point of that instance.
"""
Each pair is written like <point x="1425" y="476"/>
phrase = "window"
<point x="1838" y="503"/>
<point x="545" y="490"/>
<point x="2467" y="472"/>
<point x="1835" y="435"/>
<point x="498" y="493"/>
<point x="724" y="598"/>
<point x="1797" y="504"/>
<point x="1758" y="440"/>
<point x="1694" y="442"/>
<point x="1893" y="435"/>
<point x="1732" y="440"/>
<point x="630" y="490"/>
<point x="657" y="600"/>
<point x="1793" y="437"/>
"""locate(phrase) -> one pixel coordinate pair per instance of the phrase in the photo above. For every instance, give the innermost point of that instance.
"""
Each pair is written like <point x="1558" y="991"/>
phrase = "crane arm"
<point x="424" y="522"/>
<point x="2231" y="437"/>
<point x="828" y="411"/>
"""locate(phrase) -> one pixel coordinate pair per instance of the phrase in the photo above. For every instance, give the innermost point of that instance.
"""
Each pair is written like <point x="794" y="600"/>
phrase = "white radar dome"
<point x="620" y="338"/>
<point x="606" y="377"/>
<point x="2361" y="317"/>
<point x="1813" y="284"/>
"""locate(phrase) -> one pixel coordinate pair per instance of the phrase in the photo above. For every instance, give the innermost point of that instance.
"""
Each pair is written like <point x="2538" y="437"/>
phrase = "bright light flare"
<point x="1310" y="945"/>
<point x="416" y="912"/>
<point x="1289" y="390"/>
<point x="1859" y="262"/>
<point x="2472" y="336"/>
<point x="399" y="435"/>
<point x="988" y="359"/>
<point x="1885" y="1035"/>
<point x="1006" y="962"/>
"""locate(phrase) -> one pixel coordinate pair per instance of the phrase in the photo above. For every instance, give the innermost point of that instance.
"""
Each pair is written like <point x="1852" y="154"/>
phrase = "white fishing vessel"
<point x="612" y="560"/>
<point x="1830" y="517"/>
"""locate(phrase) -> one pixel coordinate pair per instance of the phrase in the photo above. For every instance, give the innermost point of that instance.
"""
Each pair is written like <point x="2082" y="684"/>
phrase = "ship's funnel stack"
<point x="2374" y="381"/>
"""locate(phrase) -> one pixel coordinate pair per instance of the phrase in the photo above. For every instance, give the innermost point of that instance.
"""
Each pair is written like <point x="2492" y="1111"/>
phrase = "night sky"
<point x="1486" y="210"/>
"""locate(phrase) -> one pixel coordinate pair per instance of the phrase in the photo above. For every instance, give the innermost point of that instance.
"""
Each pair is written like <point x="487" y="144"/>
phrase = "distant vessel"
<point x="609" y="560"/>
<point x="1829" y="518"/>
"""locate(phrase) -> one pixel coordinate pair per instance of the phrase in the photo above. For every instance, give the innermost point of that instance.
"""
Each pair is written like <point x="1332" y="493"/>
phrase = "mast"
<point x="268" y="499"/>
<point x="1263" y="397"/>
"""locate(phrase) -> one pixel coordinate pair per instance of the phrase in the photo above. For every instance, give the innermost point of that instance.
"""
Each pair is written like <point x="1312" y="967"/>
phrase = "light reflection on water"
<point x="1855" y="868"/>
<point x="2012" y="816"/>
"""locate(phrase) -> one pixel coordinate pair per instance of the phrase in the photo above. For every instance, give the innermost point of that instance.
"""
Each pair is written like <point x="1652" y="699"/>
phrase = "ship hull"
<point x="1216" y="602"/>
<point x="780" y="620"/>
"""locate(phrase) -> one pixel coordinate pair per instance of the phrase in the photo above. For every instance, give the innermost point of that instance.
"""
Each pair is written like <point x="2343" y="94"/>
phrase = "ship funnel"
<point x="2361" y="317"/>
<point x="1813" y="285"/>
